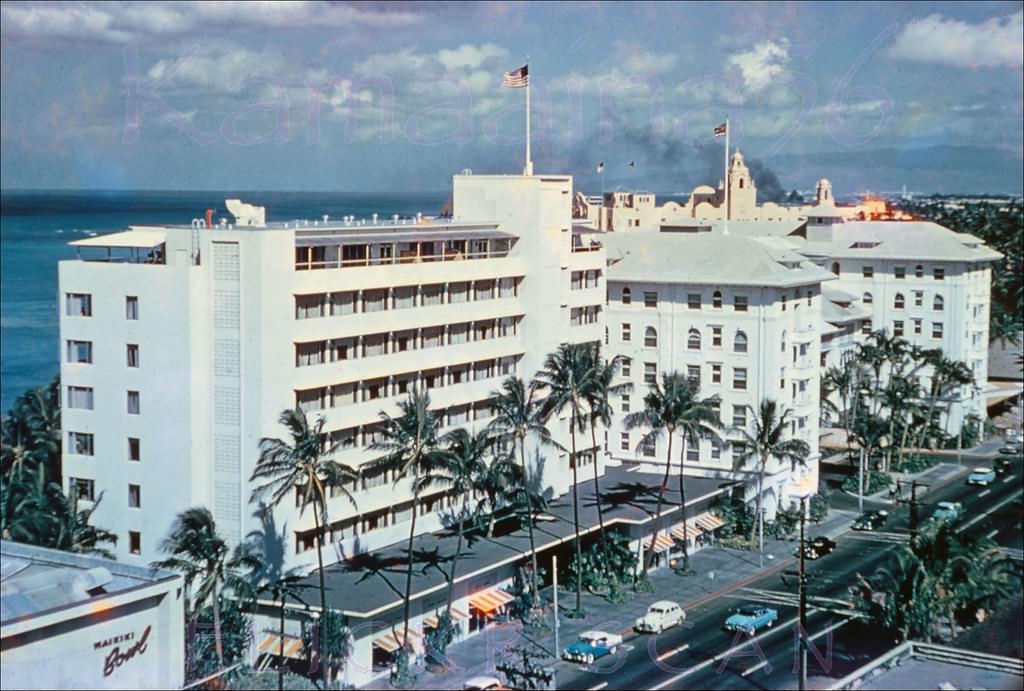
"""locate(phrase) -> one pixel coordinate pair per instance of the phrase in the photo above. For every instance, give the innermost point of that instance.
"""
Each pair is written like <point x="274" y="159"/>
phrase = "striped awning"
<point x="490" y="600"/>
<point x="692" y="530"/>
<point x="710" y="521"/>
<point x="271" y="645"/>
<point x="394" y="641"/>
<point x="431" y="621"/>
<point x="664" y="542"/>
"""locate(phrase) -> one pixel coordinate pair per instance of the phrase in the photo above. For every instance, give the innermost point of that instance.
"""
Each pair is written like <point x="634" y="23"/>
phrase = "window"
<point x="865" y="328"/>
<point x="897" y="328"/>
<point x="78" y="304"/>
<point x="936" y="329"/>
<point x="693" y="301"/>
<point x="650" y="372"/>
<point x="135" y="542"/>
<point x="693" y="374"/>
<point x="716" y="374"/>
<point x="739" y="343"/>
<point x="716" y="336"/>
<point x="938" y="303"/>
<point x="739" y="378"/>
<point x="739" y="303"/>
<point x="810" y="296"/>
<point x="80" y="397"/>
<point x="625" y="402"/>
<point x="309" y="306"/>
<point x="404" y="297"/>
<point x="835" y="268"/>
<point x="627" y="296"/>
<point x="649" y="448"/>
<point x="80" y="443"/>
<point x="627" y="332"/>
<point x="376" y="300"/>
<point x="716" y="300"/>
<point x="432" y="294"/>
<point x="624" y="441"/>
<point x="783" y="301"/>
<point x="693" y="340"/>
<point x="919" y="271"/>
<point x="82" y="488"/>
<point x="716" y="450"/>
<point x="898" y="302"/>
<point x="939" y="274"/>
<point x="782" y="378"/>
<point x="868" y="271"/>
<point x="627" y="367"/>
<point x="783" y="342"/>
<point x="134" y="452"/>
<point x="134" y="496"/>
<point x="899" y="272"/>
<point x="80" y="351"/>
<point x="650" y="299"/>
<point x="739" y="449"/>
<point x="650" y="337"/>
<point x="133" y="402"/>
<point x="693" y="454"/>
<point x="917" y="327"/>
<point x="133" y="355"/>
<point x="131" y="307"/>
<point x="739" y="416"/>
<point x="918" y="298"/>
<point x="868" y="299"/>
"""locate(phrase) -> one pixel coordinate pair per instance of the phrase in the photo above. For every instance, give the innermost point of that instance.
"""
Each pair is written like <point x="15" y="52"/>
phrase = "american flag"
<point x="517" y="79"/>
<point x="720" y="130"/>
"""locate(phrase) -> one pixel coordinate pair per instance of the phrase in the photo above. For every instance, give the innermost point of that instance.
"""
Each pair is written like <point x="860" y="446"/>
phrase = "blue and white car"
<point x="948" y="511"/>
<point x="592" y="645"/>
<point x="981" y="476"/>
<point x="750" y="618"/>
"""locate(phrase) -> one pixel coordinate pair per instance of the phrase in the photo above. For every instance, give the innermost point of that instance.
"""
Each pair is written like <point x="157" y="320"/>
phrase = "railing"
<point x="592" y="247"/>
<point x="402" y="258"/>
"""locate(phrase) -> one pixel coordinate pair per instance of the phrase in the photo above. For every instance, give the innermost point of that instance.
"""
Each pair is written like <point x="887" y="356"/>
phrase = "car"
<point x="483" y="684"/>
<point x="663" y="614"/>
<point x="871" y="520"/>
<point x="750" y="618"/>
<point x="818" y="547"/>
<point x="981" y="476"/>
<point x="1011" y="450"/>
<point x="1003" y="466"/>
<point x="948" y="511"/>
<point x="592" y="645"/>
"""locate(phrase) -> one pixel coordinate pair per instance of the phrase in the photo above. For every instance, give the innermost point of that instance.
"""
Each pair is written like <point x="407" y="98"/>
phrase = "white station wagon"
<point x="662" y="615"/>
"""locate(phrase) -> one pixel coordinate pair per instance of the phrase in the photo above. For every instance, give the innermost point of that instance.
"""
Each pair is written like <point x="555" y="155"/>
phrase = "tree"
<point x="518" y="415"/>
<point x="567" y="375"/>
<point x="845" y="381"/>
<point x="768" y="441"/>
<point x="208" y="564"/>
<point x="281" y="590"/>
<point x="302" y="465"/>
<point x="947" y="376"/>
<point x="30" y="434"/>
<point x="410" y="443"/>
<point x="76" y="534"/>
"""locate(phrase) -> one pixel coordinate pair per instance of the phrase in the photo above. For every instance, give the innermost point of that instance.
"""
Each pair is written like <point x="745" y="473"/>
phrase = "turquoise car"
<point x="592" y="645"/>
<point x="750" y="618"/>
<point x="981" y="476"/>
<point x="948" y="511"/>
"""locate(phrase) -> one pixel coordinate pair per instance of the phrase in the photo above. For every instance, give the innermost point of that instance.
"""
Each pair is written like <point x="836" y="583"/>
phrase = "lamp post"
<point x="803" y="597"/>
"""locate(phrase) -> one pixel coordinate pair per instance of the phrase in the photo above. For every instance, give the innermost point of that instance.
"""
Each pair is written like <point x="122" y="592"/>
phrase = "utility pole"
<point x="554" y="575"/>
<point x="913" y="510"/>
<point x="860" y="484"/>
<point x="803" y="597"/>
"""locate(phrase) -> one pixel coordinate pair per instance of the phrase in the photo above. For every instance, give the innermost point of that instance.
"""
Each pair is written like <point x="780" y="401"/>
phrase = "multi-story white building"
<point x="181" y="346"/>
<point x="742" y="316"/>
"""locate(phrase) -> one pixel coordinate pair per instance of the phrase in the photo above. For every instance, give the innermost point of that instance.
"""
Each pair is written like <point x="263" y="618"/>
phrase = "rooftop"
<point x="908" y="240"/>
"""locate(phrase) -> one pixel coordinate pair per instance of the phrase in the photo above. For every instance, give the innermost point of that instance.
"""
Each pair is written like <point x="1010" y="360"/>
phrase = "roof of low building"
<point x="910" y="240"/>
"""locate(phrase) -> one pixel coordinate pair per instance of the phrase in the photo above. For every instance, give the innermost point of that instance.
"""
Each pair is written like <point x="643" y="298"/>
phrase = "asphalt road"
<point x="703" y="655"/>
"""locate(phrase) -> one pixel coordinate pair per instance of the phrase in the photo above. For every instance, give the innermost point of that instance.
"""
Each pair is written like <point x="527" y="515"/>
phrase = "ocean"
<point x="35" y="227"/>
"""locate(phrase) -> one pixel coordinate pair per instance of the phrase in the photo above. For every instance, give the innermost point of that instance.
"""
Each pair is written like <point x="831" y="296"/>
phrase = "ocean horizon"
<point x="36" y="226"/>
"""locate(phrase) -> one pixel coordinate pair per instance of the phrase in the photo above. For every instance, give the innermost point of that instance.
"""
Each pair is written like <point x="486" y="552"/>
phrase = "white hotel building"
<point x="181" y="345"/>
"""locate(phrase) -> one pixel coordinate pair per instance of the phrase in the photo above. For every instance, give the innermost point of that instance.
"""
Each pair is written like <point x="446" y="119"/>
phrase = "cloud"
<point x="223" y="68"/>
<point x="937" y="40"/>
<point x="124" y="22"/>
<point x="759" y="66"/>
<point x="632" y="59"/>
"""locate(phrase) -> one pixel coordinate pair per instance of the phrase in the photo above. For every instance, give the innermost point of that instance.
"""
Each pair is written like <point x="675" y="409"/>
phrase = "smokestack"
<point x="209" y="218"/>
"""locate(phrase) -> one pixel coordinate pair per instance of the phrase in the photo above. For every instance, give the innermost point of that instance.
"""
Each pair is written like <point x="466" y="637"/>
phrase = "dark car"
<point x="818" y="547"/>
<point x="1011" y="450"/>
<point x="871" y="520"/>
<point x="1003" y="466"/>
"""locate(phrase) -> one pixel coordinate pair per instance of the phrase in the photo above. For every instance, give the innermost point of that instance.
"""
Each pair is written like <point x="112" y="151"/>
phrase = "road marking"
<point x="599" y="686"/>
<point x="992" y="534"/>
<point x="991" y="510"/>
<point x="1008" y="478"/>
<point x="761" y="664"/>
<point x="673" y="652"/>
<point x="982" y="494"/>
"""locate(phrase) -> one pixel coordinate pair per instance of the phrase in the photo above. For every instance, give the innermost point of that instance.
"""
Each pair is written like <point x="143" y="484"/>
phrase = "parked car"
<point x="592" y="645"/>
<point x="483" y="684"/>
<point x="663" y="614"/>
<point x="871" y="520"/>
<point x="1011" y="449"/>
<point x="981" y="476"/>
<point x="750" y="618"/>
<point x="818" y="547"/>
<point x="1003" y="466"/>
<point x="948" y="511"/>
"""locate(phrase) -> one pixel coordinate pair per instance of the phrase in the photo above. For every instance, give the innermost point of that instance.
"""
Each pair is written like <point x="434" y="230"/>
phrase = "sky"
<point x="396" y="97"/>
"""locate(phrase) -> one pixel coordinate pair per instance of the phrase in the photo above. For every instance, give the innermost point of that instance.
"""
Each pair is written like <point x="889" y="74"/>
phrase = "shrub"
<point x="600" y="571"/>
<point x="820" y="505"/>
<point x="786" y="522"/>
<point x="874" y="481"/>
<point x="914" y="463"/>
<point x="738" y="517"/>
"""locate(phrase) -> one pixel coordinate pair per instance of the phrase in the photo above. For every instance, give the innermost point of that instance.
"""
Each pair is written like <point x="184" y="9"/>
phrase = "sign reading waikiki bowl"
<point x="116" y="657"/>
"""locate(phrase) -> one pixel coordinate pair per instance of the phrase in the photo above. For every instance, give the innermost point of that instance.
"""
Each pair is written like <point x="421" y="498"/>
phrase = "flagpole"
<point x="529" y="164"/>
<point x="726" y="183"/>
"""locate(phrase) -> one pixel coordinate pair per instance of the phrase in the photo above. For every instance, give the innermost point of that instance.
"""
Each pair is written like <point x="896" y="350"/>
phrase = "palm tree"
<point x="567" y="375"/>
<point x="30" y="433"/>
<point x="947" y="376"/>
<point x="281" y="590"/>
<point x="499" y="481"/>
<point x="410" y="443"/>
<point x="302" y="465"/>
<point x="202" y="556"/>
<point x="599" y="405"/>
<point x="518" y="415"/>
<point x="766" y="442"/>
<point x="75" y="534"/>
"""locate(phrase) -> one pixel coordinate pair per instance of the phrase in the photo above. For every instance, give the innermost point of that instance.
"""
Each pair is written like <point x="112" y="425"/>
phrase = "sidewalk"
<point x="718" y="570"/>
<point x="932" y="476"/>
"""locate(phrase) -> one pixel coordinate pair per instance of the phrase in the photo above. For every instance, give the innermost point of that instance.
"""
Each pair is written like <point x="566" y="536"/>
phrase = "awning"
<point x="394" y="641"/>
<point x="664" y="542"/>
<point x="432" y="620"/>
<point x="710" y="521"/>
<point x="271" y="645"/>
<point x="490" y="600"/>
<point x="143" y="239"/>
<point x="692" y="530"/>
